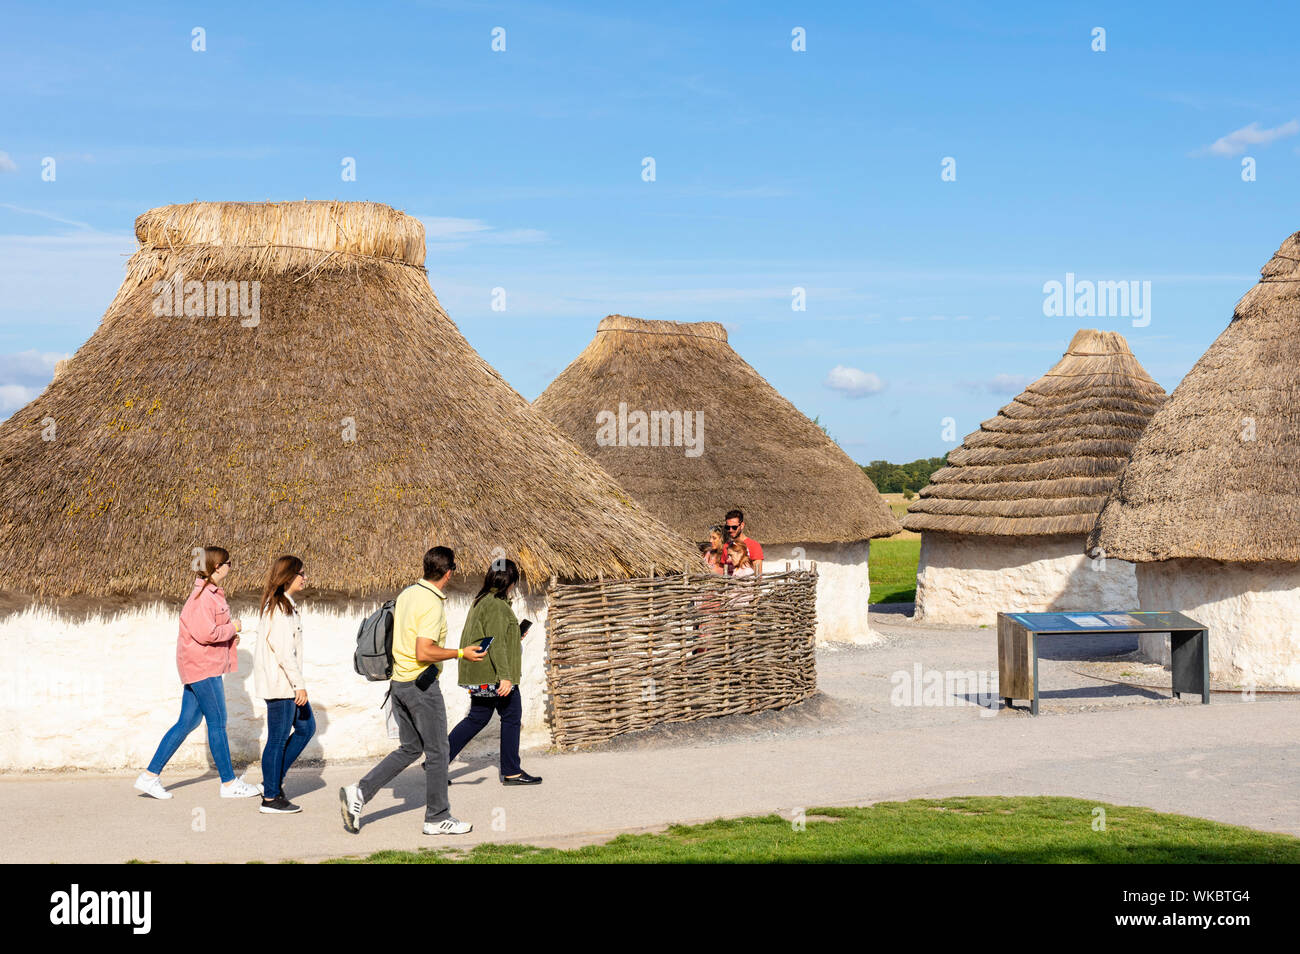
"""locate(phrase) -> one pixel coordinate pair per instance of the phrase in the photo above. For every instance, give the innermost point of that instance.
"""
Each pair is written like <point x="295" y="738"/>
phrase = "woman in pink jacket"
<point x="205" y="650"/>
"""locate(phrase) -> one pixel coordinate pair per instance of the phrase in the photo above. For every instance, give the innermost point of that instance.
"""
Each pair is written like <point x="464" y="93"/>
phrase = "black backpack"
<point x="374" y="656"/>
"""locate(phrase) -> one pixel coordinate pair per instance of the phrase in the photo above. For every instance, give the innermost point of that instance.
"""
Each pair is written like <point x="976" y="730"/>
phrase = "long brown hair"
<point x="278" y="578"/>
<point x="213" y="559"/>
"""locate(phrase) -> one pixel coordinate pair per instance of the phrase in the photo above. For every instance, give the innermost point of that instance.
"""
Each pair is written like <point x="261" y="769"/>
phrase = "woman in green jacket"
<point x="493" y="683"/>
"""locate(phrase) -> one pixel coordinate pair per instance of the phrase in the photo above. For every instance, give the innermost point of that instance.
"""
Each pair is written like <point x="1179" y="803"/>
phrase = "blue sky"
<point x="774" y="169"/>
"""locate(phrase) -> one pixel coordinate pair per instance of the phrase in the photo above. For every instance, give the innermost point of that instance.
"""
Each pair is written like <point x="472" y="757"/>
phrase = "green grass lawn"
<point x="950" y="830"/>
<point x="893" y="570"/>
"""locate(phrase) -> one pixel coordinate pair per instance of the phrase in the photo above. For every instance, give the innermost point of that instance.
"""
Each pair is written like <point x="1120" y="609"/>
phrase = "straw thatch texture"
<point x="1044" y="465"/>
<point x="759" y="453"/>
<point x="629" y="654"/>
<point x="1216" y="475"/>
<point x="352" y="424"/>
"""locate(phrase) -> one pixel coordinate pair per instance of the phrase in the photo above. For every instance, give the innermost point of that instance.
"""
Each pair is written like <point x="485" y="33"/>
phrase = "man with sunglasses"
<point x="419" y="638"/>
<point x="735" y="527"/>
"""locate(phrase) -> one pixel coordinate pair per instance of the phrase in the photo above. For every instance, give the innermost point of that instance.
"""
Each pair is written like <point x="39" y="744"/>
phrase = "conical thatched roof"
<point x="758" y="453"/>
<point x="1045" y="464"/>
<point x="1216" y="475"/>
<point x="170" y="433"/>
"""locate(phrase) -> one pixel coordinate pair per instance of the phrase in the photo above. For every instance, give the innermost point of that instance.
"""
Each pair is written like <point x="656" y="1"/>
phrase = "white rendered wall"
<point x="968" y="580"/>
<point x="1251" y="610"/>
<point x="101" y="693"/>
<point x="843" y="586"/>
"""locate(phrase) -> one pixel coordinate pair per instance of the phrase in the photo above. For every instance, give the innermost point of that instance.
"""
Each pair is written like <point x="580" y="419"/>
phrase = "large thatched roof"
<point x="1216" y="475"/>
<point x="759" y="453"/>
<point x="170" y="433"/>
<point x="1045" y="464"/>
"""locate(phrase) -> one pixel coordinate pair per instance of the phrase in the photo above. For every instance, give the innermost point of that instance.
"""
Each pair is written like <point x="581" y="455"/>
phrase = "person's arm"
<point x="202" y="622"/>
<point x="428" y="651"/>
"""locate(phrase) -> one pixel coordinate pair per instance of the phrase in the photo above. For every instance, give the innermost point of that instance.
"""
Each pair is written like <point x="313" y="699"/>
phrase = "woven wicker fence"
<point x="629" y="654"/>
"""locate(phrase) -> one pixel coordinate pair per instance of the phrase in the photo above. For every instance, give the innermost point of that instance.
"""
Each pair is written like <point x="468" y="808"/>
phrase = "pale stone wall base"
<point x="843" y="586"/>
<point x="1252" y="611"/>
<point x="968" y="580"/>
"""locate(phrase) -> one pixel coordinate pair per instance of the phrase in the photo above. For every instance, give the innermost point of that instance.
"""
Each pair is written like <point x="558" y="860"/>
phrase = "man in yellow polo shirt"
<point x="419" y="638"/>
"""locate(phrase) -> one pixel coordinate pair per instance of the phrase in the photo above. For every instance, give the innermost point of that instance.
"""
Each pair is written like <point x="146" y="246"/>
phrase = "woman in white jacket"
<point x="277" y="675"/>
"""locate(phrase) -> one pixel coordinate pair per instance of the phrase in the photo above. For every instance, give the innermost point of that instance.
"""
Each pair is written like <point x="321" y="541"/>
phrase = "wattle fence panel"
<point x="624" y="655"/>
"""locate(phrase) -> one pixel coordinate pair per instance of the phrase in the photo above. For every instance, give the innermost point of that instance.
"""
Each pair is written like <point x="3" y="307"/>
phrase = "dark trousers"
<point x="511" y="710"/>
<point x="422" y="728"/>
<point x="282" y="748"/>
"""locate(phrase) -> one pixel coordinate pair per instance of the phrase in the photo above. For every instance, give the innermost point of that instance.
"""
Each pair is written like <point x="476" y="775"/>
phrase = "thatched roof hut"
<point x="757" y="452"/>
<point x="275" y="378"/>
<point x="352" y="422"/>
<point x="1207" y="507"/>
<point x="1003" y="523"/>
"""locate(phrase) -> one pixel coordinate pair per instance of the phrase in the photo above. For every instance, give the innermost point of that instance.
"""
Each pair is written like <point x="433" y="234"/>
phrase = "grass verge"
<point x="970" y="830"/>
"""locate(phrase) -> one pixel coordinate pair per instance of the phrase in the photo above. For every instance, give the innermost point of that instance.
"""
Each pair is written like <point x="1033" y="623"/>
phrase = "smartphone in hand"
<point x="486" y="643"/>
<point x="523" y="626"/>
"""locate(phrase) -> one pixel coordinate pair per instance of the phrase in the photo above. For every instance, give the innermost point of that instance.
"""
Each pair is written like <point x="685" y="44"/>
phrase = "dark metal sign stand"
<point x="1189" y="646"/>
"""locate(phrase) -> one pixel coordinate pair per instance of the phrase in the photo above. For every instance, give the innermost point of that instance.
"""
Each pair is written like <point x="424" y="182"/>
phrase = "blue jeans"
<point x="203" y="700"/>
<point x="283" y="749"/>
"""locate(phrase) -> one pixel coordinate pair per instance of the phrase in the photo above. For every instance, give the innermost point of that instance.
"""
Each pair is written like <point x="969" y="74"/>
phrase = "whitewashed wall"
<point x="101" y="693"/>
<point x="843" y="586"/>
<point x="1251" y="609"/>
<point x="968" y="580"/>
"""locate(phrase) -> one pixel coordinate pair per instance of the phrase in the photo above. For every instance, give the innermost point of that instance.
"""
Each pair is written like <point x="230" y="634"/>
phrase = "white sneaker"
<point x="151" y="785"/>
<point x="350" y="803"/>
<point x="240" y="789"/>
<point x="448" y="826"/>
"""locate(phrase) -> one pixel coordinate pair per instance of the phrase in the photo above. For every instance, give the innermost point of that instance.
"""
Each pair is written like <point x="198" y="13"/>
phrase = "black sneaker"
<point x="278" y="806"/>
<point x="523" y="778"/>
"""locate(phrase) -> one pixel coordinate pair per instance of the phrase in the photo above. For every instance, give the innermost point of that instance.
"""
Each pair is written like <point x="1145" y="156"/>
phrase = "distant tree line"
<point x="902" y="478"/>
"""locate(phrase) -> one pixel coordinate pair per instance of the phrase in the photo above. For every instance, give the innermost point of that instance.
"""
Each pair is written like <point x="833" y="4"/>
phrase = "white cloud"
<point x="852" y="382"/>
<point x="23" y="376"/>
<point x="1235" y="143"/>
<point x="1000" y="384"/>
<point x="14" y="396"/>
<point x="448" y="232"/>
<point x="7" y="164"/>
<point x="46" y="215"/>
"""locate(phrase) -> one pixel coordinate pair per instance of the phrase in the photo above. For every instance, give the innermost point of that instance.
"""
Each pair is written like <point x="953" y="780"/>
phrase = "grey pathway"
<point x="1233" y="761"/>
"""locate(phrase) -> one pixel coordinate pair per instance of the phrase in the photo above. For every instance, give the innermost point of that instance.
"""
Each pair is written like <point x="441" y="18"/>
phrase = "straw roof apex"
<point x="1043" y="466"/>
<point x="1091" y="341"/>
<point x="272" y="237"/>
<point x="677" y="329"/>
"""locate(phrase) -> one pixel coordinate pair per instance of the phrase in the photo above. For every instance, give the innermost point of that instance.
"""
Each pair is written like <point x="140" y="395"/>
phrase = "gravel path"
<point x="1233" y="761"/>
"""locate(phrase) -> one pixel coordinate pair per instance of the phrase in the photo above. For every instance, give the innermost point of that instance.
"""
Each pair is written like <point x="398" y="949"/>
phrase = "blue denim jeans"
<point x="282" y="749"/>
<point x="204" y="700"/>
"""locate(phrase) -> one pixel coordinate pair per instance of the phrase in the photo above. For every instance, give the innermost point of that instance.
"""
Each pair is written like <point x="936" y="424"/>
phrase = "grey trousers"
<point x="422" y="727"/>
